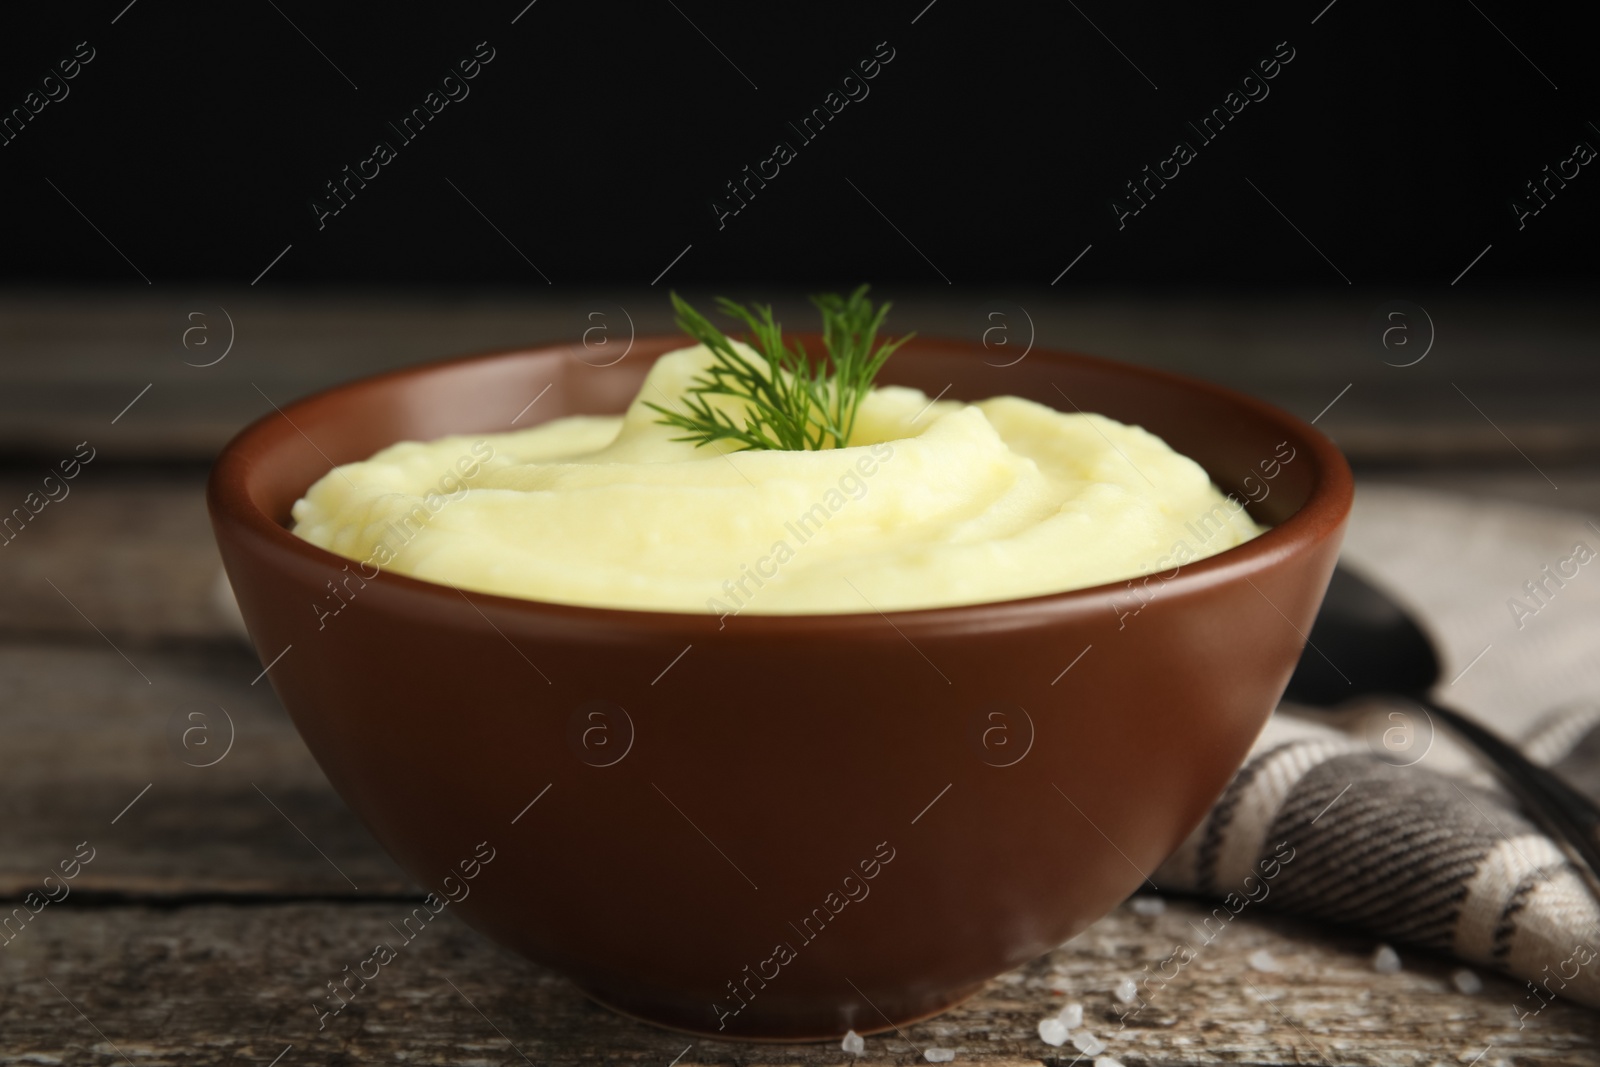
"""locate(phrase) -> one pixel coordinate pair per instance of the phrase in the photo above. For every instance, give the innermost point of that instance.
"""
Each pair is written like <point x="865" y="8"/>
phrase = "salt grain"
<point x="1071" y="1016"/>
<point x="1386" y="960"/>
<point x="1126" y="992"/>
<point x="939" y="1055"/>
<point x="1087" y="1043"/>
<point x="853" y="1043"/>
<point x="1467" y="982"/>
<point x="1052" y="1031"/>
<point x="1262" y="960"/>
<point x="1148" y="906"/>
<point x="1107" y="1061"/>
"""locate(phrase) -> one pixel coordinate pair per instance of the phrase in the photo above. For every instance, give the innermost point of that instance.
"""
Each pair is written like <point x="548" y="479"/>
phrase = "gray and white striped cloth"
<point x="1421" y="846"/>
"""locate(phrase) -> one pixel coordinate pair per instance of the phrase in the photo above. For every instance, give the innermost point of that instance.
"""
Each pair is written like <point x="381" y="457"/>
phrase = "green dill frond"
<point x="788" y="400"/>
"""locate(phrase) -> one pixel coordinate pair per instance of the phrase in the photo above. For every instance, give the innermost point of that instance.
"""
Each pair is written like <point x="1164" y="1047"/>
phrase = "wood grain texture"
<point x="84" y="734"/>
<point x="231" y="985"/>
<point x="222" y="897"/>
<point x="132" y="549"/>
<point x="1517" y="368"/>
<point x="129" y="553"/>
<point x="231" y="982"/>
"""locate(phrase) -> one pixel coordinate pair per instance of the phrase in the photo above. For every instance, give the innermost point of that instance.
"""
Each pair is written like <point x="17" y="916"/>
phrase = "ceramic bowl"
<point x="783" y="827"/>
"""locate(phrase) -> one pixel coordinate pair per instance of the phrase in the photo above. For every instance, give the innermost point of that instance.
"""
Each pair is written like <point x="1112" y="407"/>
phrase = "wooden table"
<point x="221" y="898"/>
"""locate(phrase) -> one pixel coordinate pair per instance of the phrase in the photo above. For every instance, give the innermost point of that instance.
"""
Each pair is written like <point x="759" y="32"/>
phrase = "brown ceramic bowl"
<point x="794" y="825"/>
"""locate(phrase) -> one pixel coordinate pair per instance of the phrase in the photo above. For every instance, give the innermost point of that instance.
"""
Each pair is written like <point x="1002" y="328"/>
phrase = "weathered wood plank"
<point x="132" y="553"/>
<point x="81" y="731"/>
<point x="133" y="550"/>
<point x="72" y="362"/>
<point x="86" y="717"/>
<point x="82" y="735"/>
<point x="227" y="985"/>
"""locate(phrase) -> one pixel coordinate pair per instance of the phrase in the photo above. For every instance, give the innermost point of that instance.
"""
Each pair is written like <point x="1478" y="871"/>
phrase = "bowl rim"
<point x="1323" y="512"/>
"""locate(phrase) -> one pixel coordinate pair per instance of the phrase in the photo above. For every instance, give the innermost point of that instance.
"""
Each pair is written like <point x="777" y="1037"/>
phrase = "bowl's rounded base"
<point x="821" y="1025"/>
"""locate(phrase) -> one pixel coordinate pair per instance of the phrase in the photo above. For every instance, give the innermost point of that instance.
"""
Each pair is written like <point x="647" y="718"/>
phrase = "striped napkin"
<point x="1397" y="830"/>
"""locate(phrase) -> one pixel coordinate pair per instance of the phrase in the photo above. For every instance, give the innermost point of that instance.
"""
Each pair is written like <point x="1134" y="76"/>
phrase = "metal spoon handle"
<point x="1569" y="816"/>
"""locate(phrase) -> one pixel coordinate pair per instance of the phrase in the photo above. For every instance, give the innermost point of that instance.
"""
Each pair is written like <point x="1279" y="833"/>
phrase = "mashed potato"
<point x="932" y="504"/>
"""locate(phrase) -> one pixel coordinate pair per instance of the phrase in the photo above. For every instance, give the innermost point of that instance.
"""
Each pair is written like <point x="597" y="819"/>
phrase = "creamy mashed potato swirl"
<point x="931" y="505"/>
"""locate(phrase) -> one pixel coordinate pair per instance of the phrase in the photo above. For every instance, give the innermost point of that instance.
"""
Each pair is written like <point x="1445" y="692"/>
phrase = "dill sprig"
<point x="790" y="401"/>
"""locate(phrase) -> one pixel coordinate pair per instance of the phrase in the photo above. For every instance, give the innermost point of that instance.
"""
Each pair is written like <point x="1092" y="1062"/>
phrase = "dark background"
<point x="995" y="140"/>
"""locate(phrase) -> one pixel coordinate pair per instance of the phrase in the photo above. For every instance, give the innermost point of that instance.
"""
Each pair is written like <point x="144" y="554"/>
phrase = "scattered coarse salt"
<point x="1386" y="960"/>
<point x="1071" y="1015"/>
<point x="939" y="1055"/>
<point x="1107" y="1061"/>
<point x="1467" y="982"/>
<point x="1052" y="1031"/>
<point x="1087" y="1043"/>
<point x="1262" y="960"/>
<point x="1147" y="905"/>
<point x="1126" y="991"/>
<point x="853" y="1043"/>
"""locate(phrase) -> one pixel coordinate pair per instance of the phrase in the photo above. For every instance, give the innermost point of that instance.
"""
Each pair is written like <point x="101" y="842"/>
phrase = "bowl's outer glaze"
<point x="780" y="752"/>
